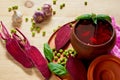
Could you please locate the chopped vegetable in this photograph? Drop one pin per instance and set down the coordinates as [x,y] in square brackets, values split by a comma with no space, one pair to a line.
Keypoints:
[14,48]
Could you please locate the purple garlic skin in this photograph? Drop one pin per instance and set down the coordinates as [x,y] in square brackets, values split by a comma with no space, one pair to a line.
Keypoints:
[47,9]
[45,13]
[38,17]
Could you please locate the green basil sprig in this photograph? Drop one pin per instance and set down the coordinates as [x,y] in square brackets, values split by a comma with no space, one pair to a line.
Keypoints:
[57,69]
[48,52]
[94,17]
[103,16]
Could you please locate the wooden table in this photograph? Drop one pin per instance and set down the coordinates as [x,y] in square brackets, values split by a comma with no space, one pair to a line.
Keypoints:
[12,70]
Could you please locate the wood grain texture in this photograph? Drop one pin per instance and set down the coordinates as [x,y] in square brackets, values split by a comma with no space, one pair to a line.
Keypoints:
[12,70]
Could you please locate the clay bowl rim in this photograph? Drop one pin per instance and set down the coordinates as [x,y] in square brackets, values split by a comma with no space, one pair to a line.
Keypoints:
[91,45]
[98,60]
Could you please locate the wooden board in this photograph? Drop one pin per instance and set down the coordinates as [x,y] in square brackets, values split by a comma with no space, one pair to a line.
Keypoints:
[12,70]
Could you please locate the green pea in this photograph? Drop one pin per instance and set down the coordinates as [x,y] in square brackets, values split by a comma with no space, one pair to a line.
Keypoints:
[43,33]
[56,58]
[58,55]
[61,50]
[54,2]
[33,34]
[26,19]
[63,63]
[13,31]
[9,9]
[85,3]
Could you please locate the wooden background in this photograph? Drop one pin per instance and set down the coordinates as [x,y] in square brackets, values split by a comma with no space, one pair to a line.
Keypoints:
[12,70]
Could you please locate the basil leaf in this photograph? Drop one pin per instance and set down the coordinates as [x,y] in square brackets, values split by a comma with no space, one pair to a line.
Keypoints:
[94,18]
[57,69]
[48,52]
[84,16]
[103,17]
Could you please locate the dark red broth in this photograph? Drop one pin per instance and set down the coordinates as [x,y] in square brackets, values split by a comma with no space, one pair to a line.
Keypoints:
[93,34]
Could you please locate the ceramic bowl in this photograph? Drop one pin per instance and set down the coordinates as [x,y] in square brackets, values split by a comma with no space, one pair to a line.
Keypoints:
[90,51]
[105,67]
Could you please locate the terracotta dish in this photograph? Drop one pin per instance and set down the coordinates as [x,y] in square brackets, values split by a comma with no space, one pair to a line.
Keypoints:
[87,46]
[106,67]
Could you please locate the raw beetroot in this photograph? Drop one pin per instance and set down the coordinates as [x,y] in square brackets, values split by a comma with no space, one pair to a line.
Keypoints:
[76,69]
[36,57]
[14,49]
[62,36]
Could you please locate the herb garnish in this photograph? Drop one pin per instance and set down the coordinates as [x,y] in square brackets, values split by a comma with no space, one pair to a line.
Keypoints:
[94,17]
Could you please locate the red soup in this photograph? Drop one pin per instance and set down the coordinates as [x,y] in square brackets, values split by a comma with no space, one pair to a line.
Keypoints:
[94,34]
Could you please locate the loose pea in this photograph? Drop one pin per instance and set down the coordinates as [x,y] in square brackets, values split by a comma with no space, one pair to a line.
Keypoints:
[58,55]
[53,49]
[33,24]
[26,19]
[38,8]
[61,50]
[55,58]
[9,9]
[33,34]
[54,12]
[70,51]
[13,31]
[54,2]
[85,3]
[61,6]
[43,33]
[38,29]
[63,63]
[31,19]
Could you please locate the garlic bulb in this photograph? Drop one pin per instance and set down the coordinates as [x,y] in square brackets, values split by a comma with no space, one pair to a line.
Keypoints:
[17,19]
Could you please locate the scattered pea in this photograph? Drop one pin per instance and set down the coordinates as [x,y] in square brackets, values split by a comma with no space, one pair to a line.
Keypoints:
[14,7]
[9,9]
[85,3]
[63,63]
[58,55]
[13,31]
[33,34]
[54,2]
[38,8]
[43,33]
[61,50]
[33,24]
[70,51]
[53,49]
[54,12]
[55,58]
[31,19]
[26,19]
[61,6]
[38,29]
